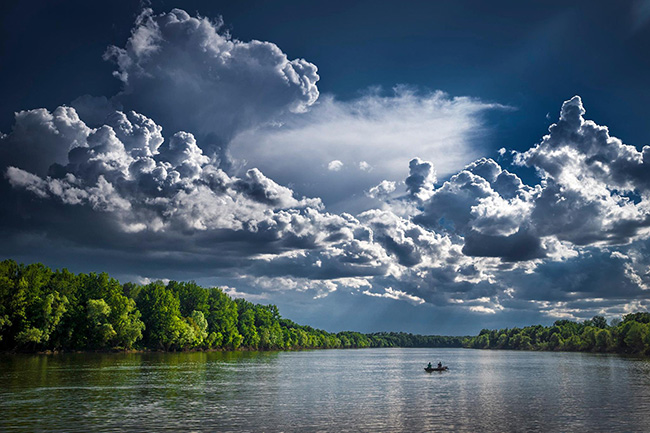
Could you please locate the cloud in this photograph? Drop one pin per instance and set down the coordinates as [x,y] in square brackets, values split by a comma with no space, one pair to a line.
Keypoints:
[482,197]
[383,130]
[482,309]
[149,184]
[251,297]
[422,176]
[191,75]
[595,187]
[472,238]
[383,190]
[335,165]
[517,246]
[40,138]
[593,192]
[391,293]
[593,282]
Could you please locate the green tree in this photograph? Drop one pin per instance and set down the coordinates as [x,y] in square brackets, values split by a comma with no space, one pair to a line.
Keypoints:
[161,316]
[102,332]
[483,341]
[555,342]
[125,320]
[248,330]
[191,296]
[223,319]
[588,338]
[604,340]
[599,322]
[636,336]
[45,315]
[200,327]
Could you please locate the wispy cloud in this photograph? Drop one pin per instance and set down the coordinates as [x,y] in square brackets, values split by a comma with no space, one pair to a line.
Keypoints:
[379,130]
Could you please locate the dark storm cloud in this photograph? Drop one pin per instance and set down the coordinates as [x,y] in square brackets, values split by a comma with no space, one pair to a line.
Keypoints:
[517,246]
[592,274]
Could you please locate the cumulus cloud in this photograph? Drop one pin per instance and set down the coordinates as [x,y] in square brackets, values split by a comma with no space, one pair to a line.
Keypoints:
[41,138]
[593,192]
[251,297]
[518,246]
[590,181]
[483,309]
[382,190]
[422,176]
[149,184]
[335,165]
[191,75]
[481,198]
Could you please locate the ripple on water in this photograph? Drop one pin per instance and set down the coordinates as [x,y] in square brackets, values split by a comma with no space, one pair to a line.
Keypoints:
[329,390]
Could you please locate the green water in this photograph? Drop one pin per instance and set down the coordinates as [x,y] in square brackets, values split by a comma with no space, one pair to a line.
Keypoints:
[326,390]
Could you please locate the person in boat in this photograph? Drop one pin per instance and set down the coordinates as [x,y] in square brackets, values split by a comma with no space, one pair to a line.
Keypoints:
[429,366]
[440,364]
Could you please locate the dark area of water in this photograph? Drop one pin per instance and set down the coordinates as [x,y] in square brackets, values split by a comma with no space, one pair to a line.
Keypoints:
[325,390]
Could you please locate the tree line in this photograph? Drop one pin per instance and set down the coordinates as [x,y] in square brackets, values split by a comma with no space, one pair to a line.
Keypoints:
[629,335]
[41,310]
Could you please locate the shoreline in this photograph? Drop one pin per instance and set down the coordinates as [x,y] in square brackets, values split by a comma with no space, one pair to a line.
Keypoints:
[241,350]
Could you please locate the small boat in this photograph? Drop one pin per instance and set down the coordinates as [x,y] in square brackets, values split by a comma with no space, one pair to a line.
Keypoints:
[430,369]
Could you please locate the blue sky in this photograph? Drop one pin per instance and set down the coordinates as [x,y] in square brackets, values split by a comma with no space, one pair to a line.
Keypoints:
[375,166]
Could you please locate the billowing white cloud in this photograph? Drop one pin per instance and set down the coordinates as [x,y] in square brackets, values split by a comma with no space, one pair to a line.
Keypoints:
[595,188]
[335,165]
[422,176]
[123,168]
[190,75]
[382,190]
[41,138]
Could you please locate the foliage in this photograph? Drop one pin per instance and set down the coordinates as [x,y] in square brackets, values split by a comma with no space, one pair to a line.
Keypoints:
[629,335]
[45,310]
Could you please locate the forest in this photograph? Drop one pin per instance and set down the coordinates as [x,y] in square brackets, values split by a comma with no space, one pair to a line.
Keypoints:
[45,310]
[629,335]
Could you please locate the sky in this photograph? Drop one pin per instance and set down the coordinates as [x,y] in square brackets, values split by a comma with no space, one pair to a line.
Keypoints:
[428,167]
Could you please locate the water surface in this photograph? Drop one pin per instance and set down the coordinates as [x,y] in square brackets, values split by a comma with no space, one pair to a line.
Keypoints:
[325,390]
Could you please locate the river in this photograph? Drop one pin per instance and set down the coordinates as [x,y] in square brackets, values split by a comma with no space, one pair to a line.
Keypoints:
[325,390]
